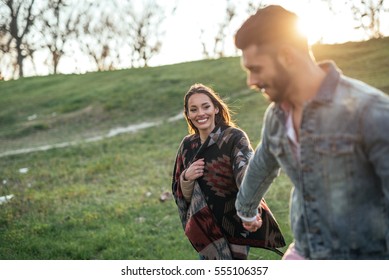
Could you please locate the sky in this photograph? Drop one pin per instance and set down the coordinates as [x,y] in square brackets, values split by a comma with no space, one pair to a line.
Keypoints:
[183,30]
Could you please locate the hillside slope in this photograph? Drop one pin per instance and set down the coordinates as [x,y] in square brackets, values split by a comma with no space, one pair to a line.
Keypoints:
[45,110]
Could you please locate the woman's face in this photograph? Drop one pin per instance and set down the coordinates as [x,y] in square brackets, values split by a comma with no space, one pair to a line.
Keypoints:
[201,112]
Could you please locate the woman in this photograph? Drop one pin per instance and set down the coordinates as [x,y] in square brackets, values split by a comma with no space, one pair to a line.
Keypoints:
[209,168]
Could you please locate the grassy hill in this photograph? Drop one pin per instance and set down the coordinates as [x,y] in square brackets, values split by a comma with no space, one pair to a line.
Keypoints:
[101,200]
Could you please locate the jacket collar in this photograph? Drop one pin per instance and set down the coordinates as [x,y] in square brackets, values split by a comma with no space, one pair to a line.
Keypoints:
[214,135]
[326,91]
[212,139]
[330,82]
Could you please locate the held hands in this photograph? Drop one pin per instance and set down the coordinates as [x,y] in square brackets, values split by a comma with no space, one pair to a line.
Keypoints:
[253,226]
[195,170]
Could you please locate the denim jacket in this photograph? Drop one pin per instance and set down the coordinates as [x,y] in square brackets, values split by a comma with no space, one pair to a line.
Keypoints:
[340,199]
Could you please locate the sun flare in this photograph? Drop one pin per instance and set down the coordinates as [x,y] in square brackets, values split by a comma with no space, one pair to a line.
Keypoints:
[319,24]
[308,26]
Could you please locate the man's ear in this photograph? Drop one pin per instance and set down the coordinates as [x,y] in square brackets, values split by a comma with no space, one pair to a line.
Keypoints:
[286,55]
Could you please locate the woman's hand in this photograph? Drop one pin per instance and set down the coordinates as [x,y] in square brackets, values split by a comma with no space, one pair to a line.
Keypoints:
[195,170]
[253,226]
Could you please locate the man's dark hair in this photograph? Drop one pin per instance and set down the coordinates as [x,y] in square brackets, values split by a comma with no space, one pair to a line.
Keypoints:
[272,24]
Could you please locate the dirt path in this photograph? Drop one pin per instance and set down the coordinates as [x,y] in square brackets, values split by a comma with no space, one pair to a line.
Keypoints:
[112,133]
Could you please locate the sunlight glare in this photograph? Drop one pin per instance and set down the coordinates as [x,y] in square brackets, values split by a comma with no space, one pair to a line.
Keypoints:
[320,25]
[309,25]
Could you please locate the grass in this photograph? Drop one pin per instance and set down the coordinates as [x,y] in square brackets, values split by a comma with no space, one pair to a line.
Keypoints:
[100,200]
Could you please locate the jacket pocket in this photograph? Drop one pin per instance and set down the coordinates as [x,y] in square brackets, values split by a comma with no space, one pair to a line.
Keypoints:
[275,146]
[334,160]
[335,145]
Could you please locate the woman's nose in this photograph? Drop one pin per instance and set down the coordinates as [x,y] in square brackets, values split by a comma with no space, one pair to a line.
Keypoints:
[200,112]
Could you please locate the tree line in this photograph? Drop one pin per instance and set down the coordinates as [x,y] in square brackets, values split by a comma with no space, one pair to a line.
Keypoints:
[115,34]
[109,32]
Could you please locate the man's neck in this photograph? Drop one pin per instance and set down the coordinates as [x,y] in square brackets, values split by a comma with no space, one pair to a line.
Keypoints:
[306,86]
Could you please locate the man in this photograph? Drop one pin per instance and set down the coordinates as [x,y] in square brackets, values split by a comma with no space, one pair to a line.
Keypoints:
[328,133]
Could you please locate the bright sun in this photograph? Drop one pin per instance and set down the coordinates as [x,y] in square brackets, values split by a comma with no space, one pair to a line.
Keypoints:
[319,24]
[308,26]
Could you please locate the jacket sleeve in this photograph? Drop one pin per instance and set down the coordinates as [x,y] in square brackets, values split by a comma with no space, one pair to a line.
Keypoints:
[186,187]
[260,173]
[178,195]
[177,170]
[375,130]
[241,154]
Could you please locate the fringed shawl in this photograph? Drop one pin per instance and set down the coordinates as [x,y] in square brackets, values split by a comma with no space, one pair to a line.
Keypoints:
[210,221]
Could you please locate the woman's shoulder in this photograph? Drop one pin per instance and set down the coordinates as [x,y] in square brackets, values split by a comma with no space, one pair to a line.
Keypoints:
[189,138]
[238,136]
[236,131]
[186,142]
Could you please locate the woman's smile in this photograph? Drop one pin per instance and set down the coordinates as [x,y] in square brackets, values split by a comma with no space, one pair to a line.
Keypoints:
[202,120]
[202,113]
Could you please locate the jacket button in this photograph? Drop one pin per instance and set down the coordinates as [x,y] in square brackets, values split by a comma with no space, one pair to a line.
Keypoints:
[308,198]
[306,168]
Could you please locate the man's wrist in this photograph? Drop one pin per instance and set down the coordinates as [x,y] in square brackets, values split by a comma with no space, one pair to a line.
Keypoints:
[247,219]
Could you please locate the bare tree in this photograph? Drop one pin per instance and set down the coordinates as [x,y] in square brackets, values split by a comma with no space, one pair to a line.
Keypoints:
[58,24]
[102,36]
[254,6]
[17,24]
[145,33]
[367,15]
[218,47]
[106,31]
[3,50]
[132,35]
[219,42]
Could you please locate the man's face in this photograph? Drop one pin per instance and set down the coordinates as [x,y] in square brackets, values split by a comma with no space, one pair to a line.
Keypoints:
[265,72]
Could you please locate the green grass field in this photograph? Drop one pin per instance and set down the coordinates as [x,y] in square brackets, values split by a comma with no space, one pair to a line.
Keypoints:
[101,200]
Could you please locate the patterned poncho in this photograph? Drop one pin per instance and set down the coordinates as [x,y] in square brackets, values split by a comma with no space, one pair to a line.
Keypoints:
[210,221]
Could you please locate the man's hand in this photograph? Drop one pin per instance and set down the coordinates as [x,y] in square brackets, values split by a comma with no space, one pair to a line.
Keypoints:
[253,226]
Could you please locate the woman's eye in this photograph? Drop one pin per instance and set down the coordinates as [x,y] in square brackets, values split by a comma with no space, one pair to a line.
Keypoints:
[192,110]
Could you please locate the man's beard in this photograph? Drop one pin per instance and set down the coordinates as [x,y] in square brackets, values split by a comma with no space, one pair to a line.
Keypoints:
[279,84]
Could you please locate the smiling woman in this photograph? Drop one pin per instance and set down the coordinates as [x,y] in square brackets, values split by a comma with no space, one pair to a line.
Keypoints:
[209,167]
